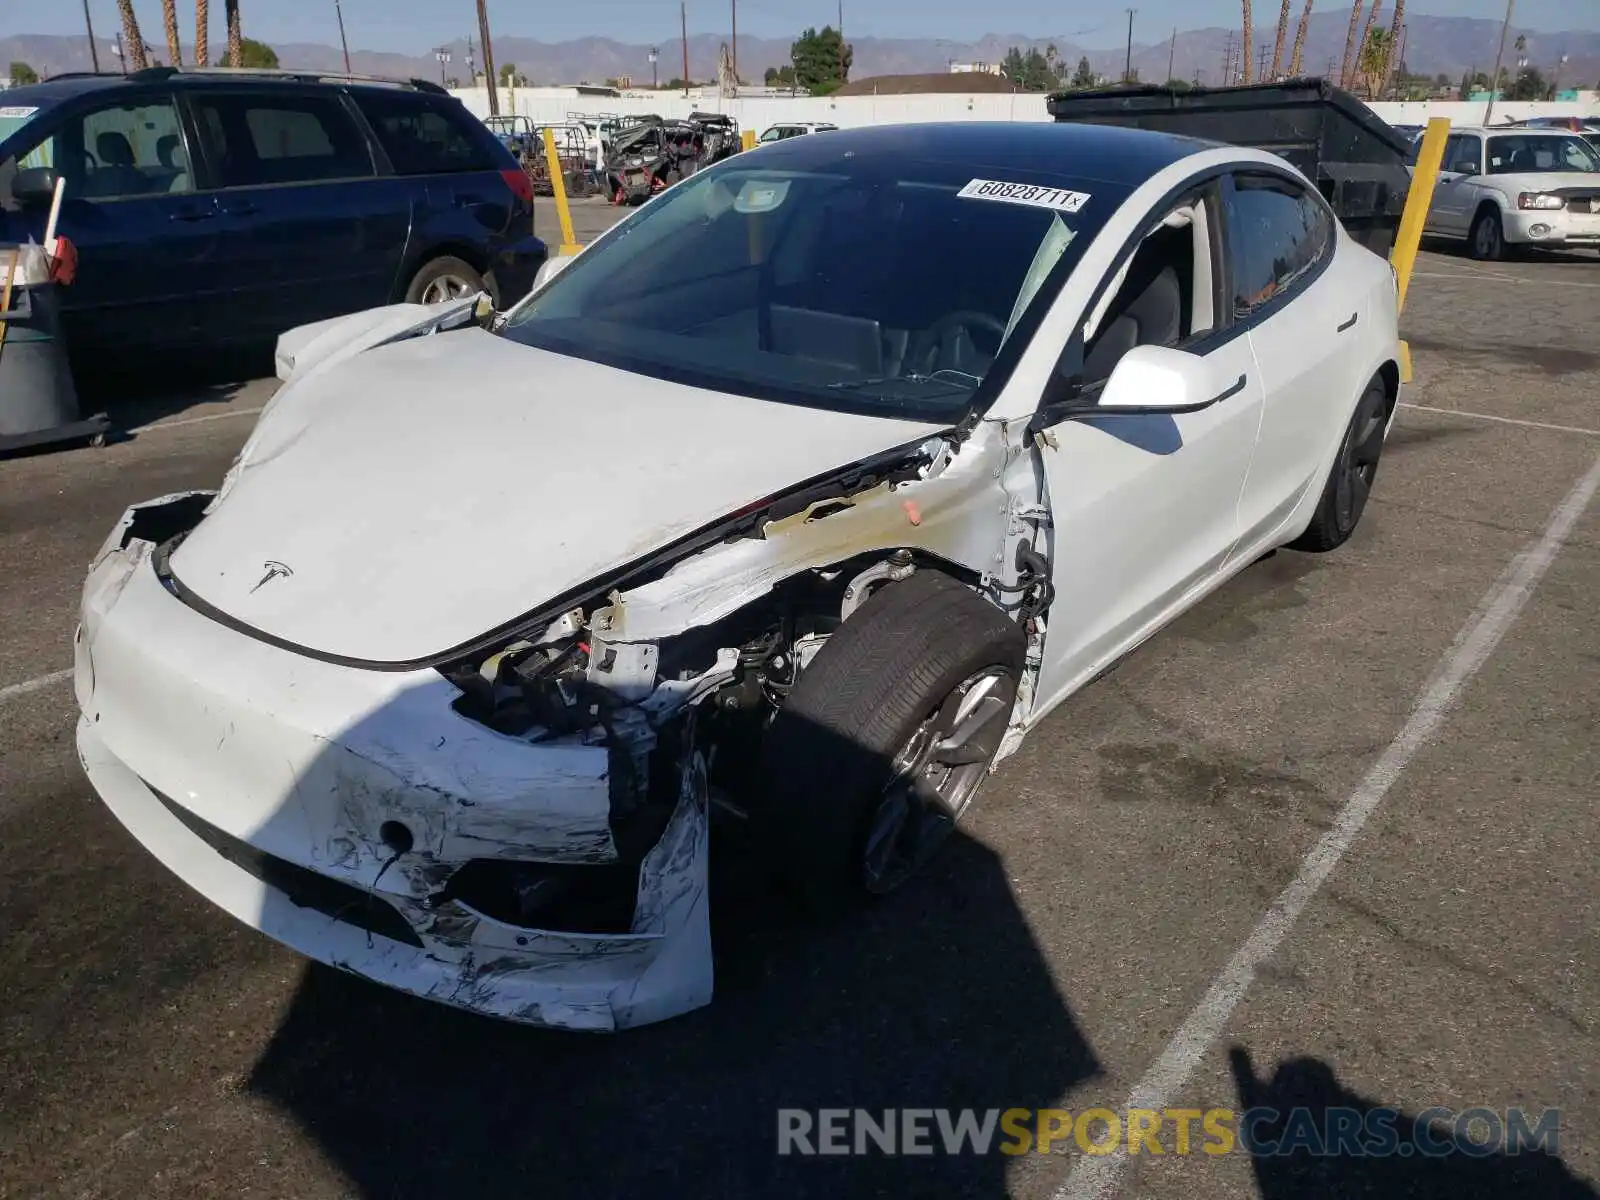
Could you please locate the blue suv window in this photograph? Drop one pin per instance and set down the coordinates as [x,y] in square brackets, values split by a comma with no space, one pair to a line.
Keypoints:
[425,138]
[274,139]
[117,151]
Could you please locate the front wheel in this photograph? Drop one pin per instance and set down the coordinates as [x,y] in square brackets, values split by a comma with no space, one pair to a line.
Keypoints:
[1355,470]
[886,739]
[1487,241]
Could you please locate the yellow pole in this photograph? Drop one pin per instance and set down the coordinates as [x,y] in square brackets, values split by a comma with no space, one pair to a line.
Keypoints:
[748,139]
[1409,237]
[558,188]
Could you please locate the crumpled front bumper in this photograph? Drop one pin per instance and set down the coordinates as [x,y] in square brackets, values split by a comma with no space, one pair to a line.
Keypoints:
[263,779]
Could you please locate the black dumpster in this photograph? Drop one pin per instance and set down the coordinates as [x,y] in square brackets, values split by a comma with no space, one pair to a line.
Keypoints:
[1355,158]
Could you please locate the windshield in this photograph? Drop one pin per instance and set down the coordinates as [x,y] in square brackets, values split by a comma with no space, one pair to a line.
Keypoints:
[14,116]
[1525,153]
[876,283]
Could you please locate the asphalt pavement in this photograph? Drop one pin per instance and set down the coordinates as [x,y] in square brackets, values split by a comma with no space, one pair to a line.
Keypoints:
[1128,915]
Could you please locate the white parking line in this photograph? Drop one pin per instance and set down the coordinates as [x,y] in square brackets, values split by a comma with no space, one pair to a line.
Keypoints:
[1477,416]
[33,685]
[221,416]
[1495,614]
[1502,277]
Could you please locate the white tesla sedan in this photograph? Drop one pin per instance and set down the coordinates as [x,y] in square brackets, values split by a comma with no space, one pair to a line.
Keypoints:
[803,494]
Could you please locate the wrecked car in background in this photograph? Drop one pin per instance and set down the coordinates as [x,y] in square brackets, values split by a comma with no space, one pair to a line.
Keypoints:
[447,695]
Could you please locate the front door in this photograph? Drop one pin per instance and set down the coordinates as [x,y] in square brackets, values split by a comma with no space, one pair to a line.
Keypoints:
[144,239]
[1455,192]
[1144,508]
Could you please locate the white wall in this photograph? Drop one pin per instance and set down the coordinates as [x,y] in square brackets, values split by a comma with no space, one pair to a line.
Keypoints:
[546,105]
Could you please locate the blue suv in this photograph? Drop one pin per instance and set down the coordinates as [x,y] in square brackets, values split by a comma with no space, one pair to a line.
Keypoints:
[215,208]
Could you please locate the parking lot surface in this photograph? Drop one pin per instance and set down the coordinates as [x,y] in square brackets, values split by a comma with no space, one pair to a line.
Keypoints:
[1424,701]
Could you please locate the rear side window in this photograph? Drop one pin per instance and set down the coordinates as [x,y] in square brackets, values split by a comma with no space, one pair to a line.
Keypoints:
[423,137]
[274,139]
[1277,234]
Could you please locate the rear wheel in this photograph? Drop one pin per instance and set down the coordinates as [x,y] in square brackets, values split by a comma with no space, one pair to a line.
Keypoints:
[1355,470]
[886,739]
[1487,241]
[442,279]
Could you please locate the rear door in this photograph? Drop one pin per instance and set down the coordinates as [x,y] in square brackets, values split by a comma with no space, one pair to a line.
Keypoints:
[315,231]
[144,238]
[1303,312]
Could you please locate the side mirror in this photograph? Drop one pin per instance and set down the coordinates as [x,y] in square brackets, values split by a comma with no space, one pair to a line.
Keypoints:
[1154,380]
[553,266]
[1464,166]
[34,186]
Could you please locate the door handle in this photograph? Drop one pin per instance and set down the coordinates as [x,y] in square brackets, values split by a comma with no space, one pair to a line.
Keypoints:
[192,214]
[1238,386]
[1353,318]
[242,210]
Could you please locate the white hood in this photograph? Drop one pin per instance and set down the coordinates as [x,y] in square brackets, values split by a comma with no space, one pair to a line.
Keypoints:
[423,493]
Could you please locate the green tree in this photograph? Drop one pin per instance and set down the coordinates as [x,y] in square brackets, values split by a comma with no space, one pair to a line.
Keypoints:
[1083,77]
[22,74]
[1529,85]
[821,60]
[780,77]
[1032,71]
[257,55]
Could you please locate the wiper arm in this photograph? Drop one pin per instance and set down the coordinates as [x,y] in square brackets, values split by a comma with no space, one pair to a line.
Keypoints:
[966,381]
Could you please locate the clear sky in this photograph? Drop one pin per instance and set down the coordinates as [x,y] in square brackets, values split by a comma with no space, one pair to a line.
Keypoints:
[411,26]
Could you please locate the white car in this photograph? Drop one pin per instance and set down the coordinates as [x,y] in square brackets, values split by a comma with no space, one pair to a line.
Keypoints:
[790,129]
[798,497]
[1515,188]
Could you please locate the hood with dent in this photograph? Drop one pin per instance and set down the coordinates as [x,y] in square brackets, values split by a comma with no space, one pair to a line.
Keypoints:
[413,498]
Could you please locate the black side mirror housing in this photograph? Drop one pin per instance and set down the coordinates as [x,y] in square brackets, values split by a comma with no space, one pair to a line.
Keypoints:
[1464,167]
[34,186]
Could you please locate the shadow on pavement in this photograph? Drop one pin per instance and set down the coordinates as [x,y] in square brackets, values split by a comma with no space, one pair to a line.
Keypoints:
[937,997]
[137,394]
[1485,1173]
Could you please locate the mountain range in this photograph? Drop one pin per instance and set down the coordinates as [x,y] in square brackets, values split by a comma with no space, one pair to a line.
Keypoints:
[1433,45]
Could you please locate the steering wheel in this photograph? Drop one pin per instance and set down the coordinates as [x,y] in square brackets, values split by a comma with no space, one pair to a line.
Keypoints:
[948,345]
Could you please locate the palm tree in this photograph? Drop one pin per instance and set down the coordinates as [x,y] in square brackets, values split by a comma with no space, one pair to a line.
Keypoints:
[1247,46]
[132,43]
[202,33]
[1396,33]
[1277,48]
[1374,59]
[169,15]
[1366,40]
[1346,64]
[235,33]
[1300,39]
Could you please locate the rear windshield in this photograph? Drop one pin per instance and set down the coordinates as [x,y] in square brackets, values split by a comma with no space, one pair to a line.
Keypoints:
[881,283]
[1521,153]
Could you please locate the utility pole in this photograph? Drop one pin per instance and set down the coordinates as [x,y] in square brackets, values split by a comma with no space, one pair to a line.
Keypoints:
[1172,52]
[343,45]
[488,59]
[683,19]
[842,78]
[1227,61]
[735,4]
[1261,62]
[1494,78]
[94,55]
[1127,65]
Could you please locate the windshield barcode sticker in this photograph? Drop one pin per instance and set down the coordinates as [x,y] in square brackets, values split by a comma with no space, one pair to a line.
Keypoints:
[1055,199]
[16,111]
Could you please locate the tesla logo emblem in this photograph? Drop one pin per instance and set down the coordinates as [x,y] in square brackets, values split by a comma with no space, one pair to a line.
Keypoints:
[275,570]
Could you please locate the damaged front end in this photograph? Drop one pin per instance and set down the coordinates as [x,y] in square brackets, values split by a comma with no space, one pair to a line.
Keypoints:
[520,828]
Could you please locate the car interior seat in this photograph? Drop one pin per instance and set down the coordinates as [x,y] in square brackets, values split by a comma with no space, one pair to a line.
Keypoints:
[1152,306]
[116,174]
[170,152]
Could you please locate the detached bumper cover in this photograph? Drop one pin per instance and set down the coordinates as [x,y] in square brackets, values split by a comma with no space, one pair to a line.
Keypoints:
[262,778]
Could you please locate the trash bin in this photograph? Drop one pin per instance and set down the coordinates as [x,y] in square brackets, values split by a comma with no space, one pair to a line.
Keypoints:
[38,402]
[1356,159]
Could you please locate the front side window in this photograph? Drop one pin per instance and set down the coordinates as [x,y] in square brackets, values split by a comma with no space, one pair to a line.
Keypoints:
[423,138]
[117,152]
[884,283]
[1462,154]
[1278,233]
[257,140]
[1525,153]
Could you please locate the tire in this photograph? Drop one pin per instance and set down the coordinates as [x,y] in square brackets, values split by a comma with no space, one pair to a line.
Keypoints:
[1486,241]
[444,278]
[1355,470]
[915,653]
